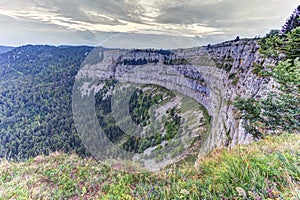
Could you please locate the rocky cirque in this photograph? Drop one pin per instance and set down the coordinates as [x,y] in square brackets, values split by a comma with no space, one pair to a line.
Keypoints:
[214,76]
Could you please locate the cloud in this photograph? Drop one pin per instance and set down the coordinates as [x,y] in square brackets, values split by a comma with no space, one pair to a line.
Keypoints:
[94,21]
[221,14]
[81,21]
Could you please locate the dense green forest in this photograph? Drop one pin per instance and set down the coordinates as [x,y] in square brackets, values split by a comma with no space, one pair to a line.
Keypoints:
[35,100]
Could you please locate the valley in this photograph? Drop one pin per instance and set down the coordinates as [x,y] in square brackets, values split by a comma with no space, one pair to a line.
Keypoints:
[219,121]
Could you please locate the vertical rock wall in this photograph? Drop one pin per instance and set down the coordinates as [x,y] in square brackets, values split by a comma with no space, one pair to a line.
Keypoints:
[214,76]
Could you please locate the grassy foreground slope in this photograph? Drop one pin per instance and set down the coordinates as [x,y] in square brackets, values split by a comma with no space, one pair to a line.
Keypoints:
[268,169]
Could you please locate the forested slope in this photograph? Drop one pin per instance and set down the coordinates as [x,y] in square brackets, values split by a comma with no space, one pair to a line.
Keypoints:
[35,100]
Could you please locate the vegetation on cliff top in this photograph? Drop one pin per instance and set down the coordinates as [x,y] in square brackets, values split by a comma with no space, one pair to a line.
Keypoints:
[280,110]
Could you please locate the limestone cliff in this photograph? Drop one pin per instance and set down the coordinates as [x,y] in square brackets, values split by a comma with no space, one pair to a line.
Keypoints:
[214,76]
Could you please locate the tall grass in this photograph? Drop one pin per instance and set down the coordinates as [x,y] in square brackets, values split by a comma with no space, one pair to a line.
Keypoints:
[268,169]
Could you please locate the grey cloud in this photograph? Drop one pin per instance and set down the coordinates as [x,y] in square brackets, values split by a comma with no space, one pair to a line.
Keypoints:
[132,40]
[233,17]
[118,10]
[229,15]
[195,13]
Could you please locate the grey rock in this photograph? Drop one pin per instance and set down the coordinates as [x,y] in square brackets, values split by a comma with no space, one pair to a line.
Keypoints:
[202,76]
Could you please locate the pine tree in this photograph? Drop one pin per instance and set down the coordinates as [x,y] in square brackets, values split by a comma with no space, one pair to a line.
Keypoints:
[292,22]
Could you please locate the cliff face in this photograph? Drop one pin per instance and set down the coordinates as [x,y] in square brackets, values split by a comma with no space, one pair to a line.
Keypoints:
[214,76]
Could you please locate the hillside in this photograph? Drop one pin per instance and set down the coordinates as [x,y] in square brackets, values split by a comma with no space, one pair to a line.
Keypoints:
[35,93]
[4,49]
[268,169]
[236,92]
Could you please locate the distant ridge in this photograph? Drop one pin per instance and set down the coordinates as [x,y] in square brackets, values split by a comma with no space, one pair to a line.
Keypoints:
[4,49]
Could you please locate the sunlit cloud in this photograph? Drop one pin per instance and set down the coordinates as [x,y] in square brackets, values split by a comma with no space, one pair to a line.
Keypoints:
[147,27]
[87,21]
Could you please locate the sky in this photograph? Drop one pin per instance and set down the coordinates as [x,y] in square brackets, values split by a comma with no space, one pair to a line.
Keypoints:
[138,23]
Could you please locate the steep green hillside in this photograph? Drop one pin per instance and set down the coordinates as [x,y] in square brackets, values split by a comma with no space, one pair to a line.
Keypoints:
[268,169]
[35,100]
